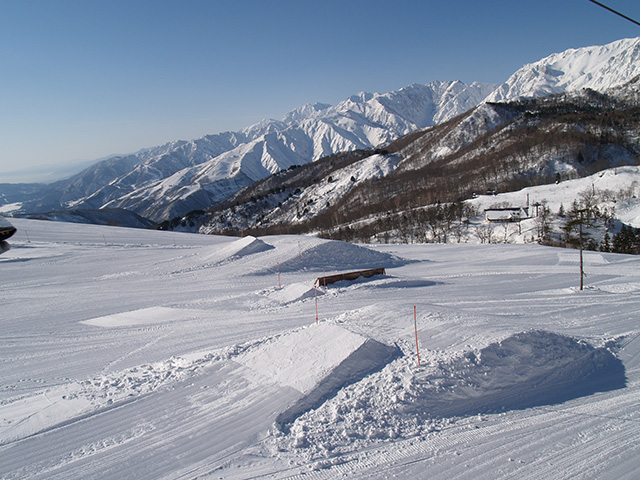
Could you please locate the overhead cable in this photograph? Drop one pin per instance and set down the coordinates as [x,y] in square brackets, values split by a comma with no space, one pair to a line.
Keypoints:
[615,11]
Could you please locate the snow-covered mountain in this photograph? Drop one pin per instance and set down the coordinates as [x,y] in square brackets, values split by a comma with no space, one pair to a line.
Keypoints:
[597,67]
[167,181]
[177,177]
[495,146]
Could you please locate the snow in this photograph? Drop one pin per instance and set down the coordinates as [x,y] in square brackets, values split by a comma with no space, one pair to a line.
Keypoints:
[598,67]
[613,181]
[128,353]
[237,249]
[143,316]
[317,197]
[10,207]
[303,358]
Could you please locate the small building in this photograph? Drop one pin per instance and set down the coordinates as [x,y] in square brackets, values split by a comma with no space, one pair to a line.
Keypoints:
[508,214]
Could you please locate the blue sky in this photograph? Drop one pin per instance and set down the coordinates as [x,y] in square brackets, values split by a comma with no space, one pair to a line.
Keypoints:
[80,80]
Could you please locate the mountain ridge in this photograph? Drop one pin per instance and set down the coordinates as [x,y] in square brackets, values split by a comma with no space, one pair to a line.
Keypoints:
[169,180]
[174,178]
[493,147]
[597,67]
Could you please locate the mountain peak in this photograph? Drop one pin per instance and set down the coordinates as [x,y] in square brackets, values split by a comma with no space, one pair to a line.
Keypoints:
[362,97]
[596,67]
[306,111]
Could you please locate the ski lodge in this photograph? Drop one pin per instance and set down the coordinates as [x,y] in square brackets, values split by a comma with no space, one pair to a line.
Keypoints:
[508,214]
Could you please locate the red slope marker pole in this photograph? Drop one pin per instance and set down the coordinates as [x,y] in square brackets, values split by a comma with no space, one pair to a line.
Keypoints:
[415,323]
[316,292]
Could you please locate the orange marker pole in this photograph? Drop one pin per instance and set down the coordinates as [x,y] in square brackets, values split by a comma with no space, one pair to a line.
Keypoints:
[415,323]
[316,291]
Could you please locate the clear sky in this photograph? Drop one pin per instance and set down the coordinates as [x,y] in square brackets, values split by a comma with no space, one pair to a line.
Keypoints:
[81,80]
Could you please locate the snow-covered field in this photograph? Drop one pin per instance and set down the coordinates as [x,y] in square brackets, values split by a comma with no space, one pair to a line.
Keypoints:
[143,354]
[612,182]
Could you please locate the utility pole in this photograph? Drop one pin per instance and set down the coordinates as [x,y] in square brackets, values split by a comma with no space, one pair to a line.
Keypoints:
[581,261]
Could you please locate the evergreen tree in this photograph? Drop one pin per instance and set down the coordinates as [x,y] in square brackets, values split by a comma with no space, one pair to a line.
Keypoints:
[626,241]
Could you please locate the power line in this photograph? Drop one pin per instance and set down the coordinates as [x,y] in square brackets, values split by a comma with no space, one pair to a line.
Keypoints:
[615,11]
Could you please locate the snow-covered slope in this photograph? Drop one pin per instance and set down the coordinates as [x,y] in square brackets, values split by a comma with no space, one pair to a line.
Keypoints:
[129,353]
[598,68]
[614,184]
[494,146]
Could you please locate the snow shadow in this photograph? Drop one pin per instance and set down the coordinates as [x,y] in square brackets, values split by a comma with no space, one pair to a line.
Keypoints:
[406,284]
[526,370]
[370,357]
[386,282]
[15,260]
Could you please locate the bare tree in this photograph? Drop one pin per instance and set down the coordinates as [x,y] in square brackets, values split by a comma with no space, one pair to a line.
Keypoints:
[505,226]
[543,224]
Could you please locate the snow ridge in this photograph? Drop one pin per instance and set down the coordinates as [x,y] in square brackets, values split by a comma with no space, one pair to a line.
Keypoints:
[597,67]
[166,181]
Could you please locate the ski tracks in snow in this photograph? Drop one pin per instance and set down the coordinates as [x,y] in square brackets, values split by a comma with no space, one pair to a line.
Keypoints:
[200,421]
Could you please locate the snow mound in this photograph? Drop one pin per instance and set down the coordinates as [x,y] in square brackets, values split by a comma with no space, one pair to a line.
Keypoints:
[339,256]
[525,370]
[240,248]
[370,357]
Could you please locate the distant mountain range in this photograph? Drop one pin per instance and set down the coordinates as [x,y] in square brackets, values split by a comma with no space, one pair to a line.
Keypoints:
[168,181]
[495,147]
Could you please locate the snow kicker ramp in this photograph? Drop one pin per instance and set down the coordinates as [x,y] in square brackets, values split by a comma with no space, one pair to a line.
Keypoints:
[317,361]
